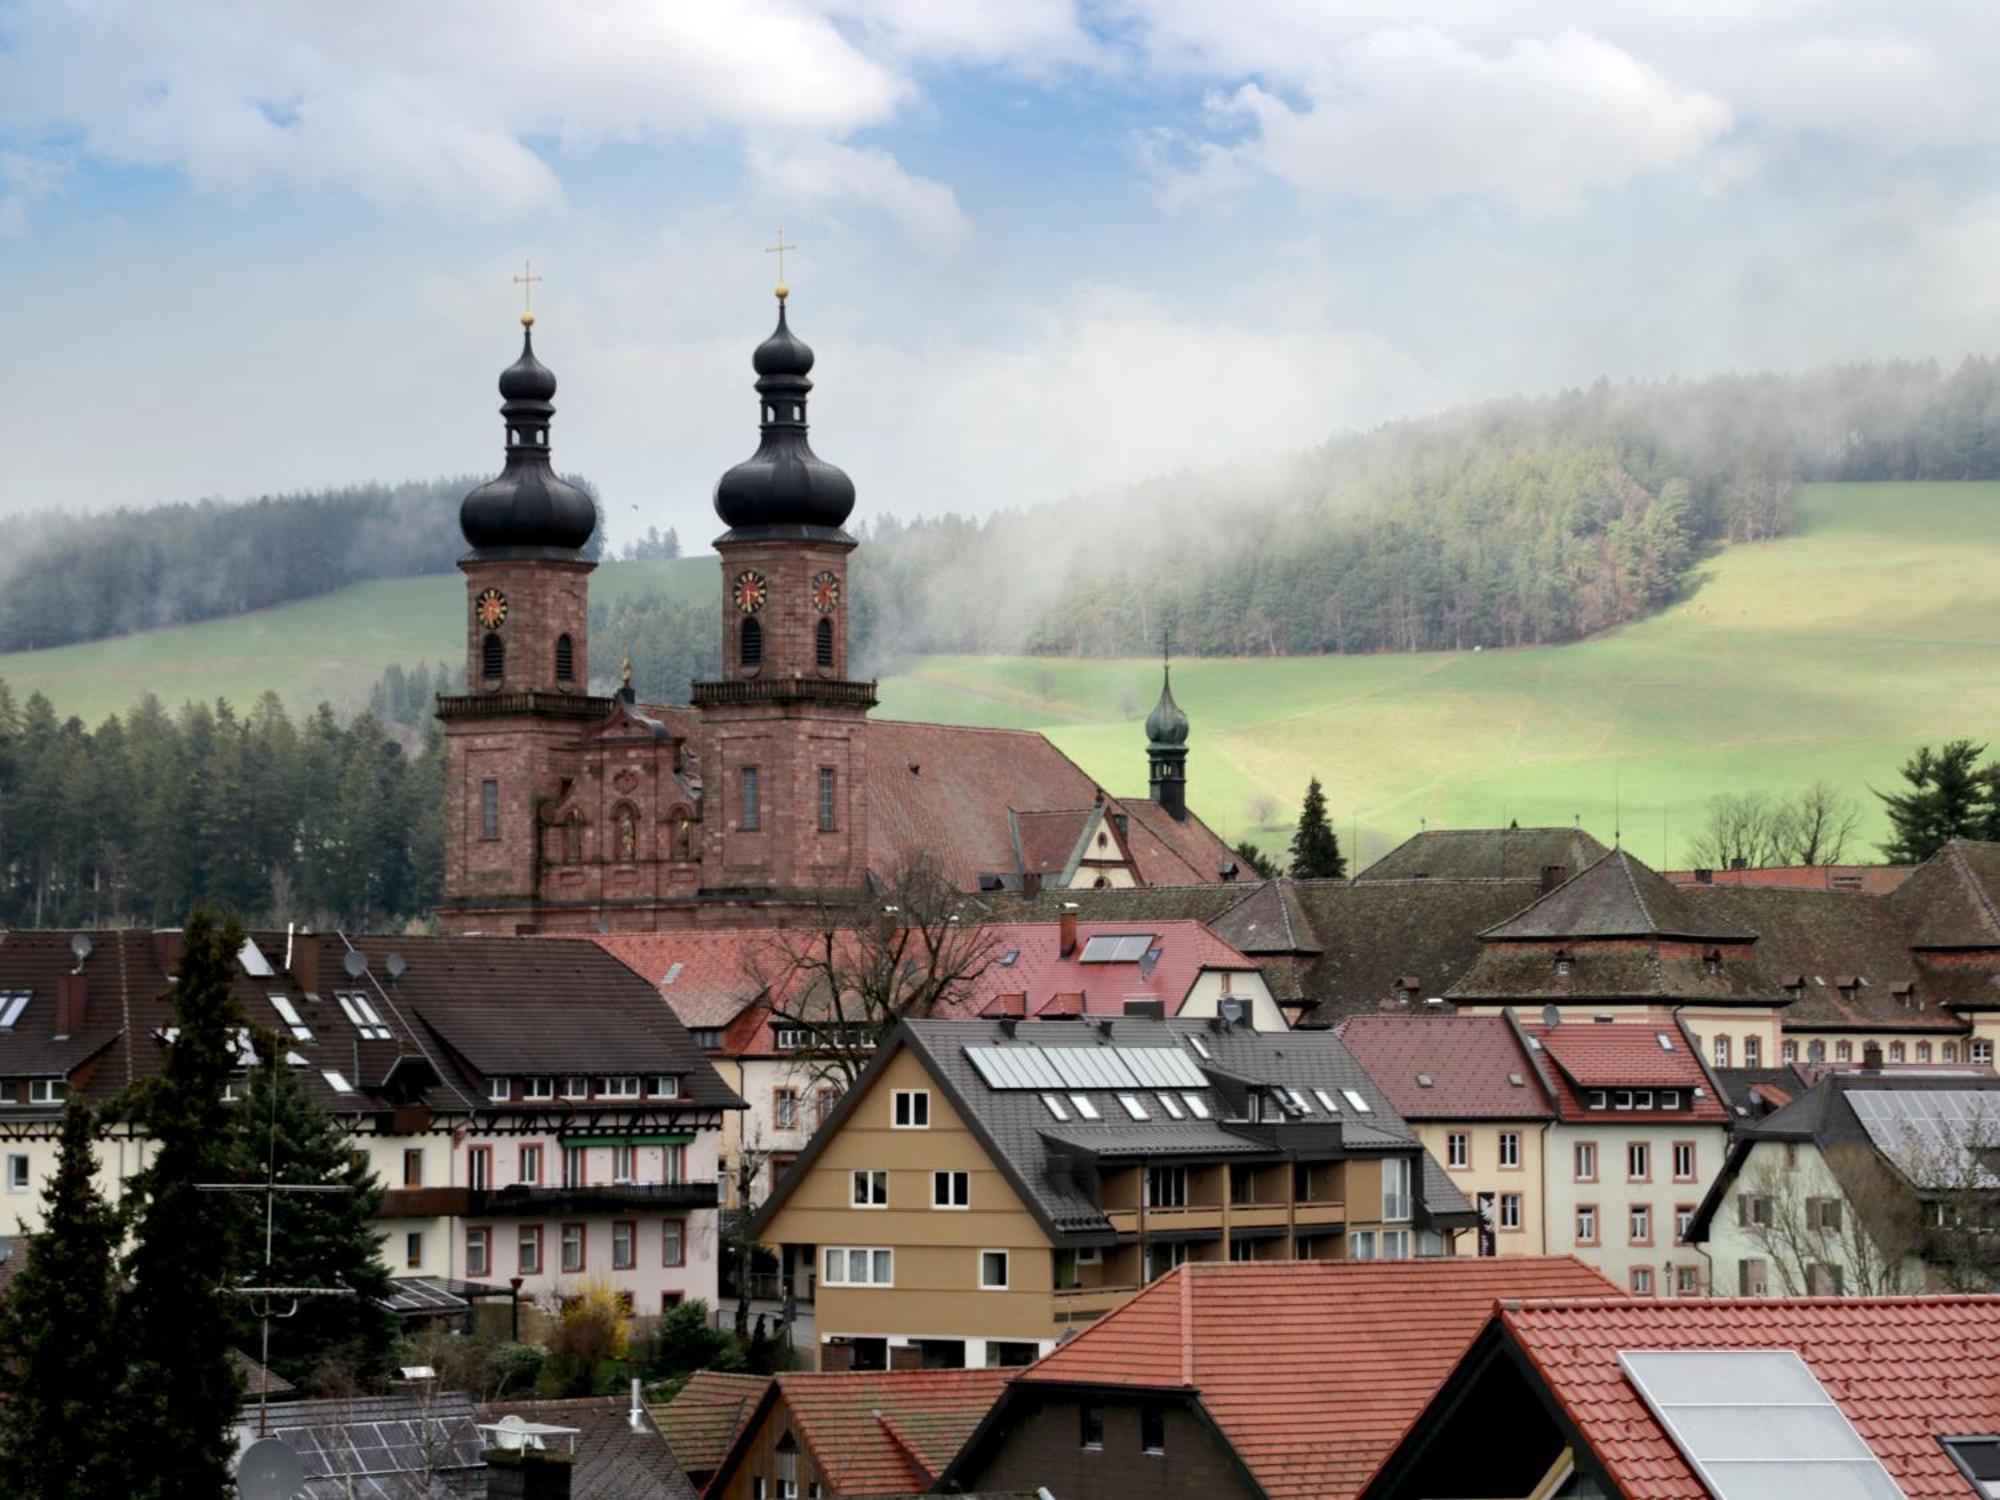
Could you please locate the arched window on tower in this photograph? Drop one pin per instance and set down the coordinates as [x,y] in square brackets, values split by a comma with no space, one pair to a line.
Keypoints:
[751,653]
[565,658]
[823,644]
[573,838]
[492,657]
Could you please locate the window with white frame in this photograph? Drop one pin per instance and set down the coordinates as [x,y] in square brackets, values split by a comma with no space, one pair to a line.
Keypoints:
[47,1090]
[1586,1223]
[1586,1161]
[360,1010]
[1980,1052]
[1166,1187]
[624,1163]
[846,1265]
[624,1086]
[1683,1161]
[624,1243]
[576,1088]
[910,1109]
[478,1252]
[951,1190]
[673,1242]
[1638,1161]
[1510,1210]
[1395,1244]
[785,1108]
[993,1270]
[1753,1052]
[17,1172]
[1458,1150]
[531,1166]
[1721,1050]
[1510,1148]
[499,1090]
[667,1086]
[1395,1188]
[539,1088]
[870,1189]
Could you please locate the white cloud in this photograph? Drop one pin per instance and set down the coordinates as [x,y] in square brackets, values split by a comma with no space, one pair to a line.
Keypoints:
[828,172]
[1416,114]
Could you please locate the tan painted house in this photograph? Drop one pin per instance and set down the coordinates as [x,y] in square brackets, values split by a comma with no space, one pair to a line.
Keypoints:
[988,1186]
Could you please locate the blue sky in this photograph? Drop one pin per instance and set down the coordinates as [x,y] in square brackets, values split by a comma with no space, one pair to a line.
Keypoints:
[1046,248]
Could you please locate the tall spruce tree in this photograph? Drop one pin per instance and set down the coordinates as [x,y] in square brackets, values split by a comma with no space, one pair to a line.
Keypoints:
[317,1239]
[1315,846]
[1950,796]
[60,1358]
[181,1391]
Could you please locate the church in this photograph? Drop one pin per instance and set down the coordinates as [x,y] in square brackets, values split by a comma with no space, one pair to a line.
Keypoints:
[774,796]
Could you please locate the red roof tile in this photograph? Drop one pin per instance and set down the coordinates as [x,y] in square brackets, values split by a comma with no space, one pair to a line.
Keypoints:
[716,972]
[1623,1055]
[1041,972]
[1311,1369]
[1905,1370]
[887,1432]
[1472,1062]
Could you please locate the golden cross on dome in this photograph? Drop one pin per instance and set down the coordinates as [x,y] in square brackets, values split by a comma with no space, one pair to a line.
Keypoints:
[526,282]
[779,250]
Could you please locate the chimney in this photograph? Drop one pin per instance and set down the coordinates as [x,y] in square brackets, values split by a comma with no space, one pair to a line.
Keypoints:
[304,966]
[1009,1027]
[1871,1057]
[1031,884]
[1553,876]
[1067,930]
[166,948]
[1704,877]
[528,1473]
[1739,863]
[637,1415]
[72,999]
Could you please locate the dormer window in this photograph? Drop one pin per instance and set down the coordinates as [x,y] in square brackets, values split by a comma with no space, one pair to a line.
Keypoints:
[47,1090]
[1562,960]
[539,1088]
[576,1088]
[666,1086]
[622,1087]
[499,1090]
[1711,961]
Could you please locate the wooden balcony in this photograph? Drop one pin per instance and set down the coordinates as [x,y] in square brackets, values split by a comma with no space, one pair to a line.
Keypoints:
[1319,1215]
[1258,1215]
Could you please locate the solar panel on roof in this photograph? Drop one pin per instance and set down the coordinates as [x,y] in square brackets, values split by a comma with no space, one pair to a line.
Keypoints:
[1161,1067]
[1116,948]
[1756,1423]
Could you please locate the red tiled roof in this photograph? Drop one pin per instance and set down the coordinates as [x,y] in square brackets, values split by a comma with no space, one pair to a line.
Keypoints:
[703,1419]
[721,970]
[887,1432]
[1623,1055]
[1905,1370]
[1041,973]
[1311,1369]
[1049,840]
[1167,852]
[1472,1062]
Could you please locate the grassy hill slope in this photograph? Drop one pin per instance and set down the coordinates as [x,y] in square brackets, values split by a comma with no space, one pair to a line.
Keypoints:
[1830,653]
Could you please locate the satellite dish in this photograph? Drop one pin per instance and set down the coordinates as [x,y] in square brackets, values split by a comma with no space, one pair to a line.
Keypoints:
[1551,1016]
[356,963]
[268,1470]
[396,965]
[1231,1009]
[80,946]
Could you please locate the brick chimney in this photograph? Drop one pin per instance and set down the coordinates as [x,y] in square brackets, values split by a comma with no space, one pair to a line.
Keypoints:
[305,962]
[72,999]
[1031,884]
[1067,930]
[1871,1057]
[166,948]
[1553,876]
[1704,877]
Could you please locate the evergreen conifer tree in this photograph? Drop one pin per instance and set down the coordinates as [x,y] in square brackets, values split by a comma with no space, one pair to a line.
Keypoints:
[60,1358]
[317,1239]
[181,1389]
[1950,796]
[1255,860]
[1315,846]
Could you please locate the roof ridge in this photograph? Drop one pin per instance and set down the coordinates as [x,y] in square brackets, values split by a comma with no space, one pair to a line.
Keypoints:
[1625,868]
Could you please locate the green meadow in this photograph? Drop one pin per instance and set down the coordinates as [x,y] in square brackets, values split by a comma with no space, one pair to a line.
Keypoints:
[1830,653]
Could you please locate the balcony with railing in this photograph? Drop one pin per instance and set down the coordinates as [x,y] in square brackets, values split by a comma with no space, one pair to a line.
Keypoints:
[540,705]
[744,690]
[548,1202]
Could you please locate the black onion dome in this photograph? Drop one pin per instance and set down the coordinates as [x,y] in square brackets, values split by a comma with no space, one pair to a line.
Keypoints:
[1167,724]
[784,486]
[528,507]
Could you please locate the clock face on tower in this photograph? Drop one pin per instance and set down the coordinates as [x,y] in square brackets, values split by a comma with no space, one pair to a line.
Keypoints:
[490,609]
[750,591]
[826,592]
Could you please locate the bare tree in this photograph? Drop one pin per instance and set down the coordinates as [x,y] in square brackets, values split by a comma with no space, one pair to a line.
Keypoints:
[845,981]
[751,1158]
[1854,1237]
[1263,810]
[1740,828]
[1813,827]
[1959,1189]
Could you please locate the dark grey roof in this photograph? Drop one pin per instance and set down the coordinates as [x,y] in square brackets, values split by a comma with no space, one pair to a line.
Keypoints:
[1485,854]
[1020,1130]
[1621,897]
[378,1447]
[614,1460]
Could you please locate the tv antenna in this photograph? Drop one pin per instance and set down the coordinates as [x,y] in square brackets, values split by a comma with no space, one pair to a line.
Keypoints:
[270,1187]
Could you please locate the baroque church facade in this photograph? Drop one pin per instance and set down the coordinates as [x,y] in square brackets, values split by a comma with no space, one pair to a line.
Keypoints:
[773,795]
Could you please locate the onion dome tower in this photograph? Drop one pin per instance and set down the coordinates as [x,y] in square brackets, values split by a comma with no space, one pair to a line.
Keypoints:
[783,727]
[1166,749]
[527,511]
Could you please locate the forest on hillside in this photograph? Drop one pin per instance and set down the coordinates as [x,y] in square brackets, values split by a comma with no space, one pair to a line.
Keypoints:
[155,812]
[86,577]
[1516,522]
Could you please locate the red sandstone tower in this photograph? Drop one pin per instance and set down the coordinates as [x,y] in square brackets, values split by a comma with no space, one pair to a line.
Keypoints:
[783,730]
[527,590]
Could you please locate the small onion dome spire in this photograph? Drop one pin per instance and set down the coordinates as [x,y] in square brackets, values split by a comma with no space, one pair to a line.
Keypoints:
[784,489]
[1167,724]
[527,511]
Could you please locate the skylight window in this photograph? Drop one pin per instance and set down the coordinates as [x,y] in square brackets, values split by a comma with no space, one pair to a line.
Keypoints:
[1085,1110]
[1011,957]
[1167,1103]
[1196,1105]
[1517,1080]
[1424,1081]
[1054,1105]
[337,1082]
[1133,1107]
[1326,1101]
[289,1014]
[361,1011]
[1196,1043]
[1116,948]
[1666,1042]
[1298,1101]
[673,971]
[254,963]
[11,1006]
[1355,1102]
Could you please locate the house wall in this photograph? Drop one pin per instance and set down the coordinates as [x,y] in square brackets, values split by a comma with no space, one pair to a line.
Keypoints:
[1484,1174]
[1755,1035]
[1613,1195]
[936,1289]
[759,1462]
[1246,985]
[1794,1177]
[1897,1046]
[1042,1449]
[759,1080]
